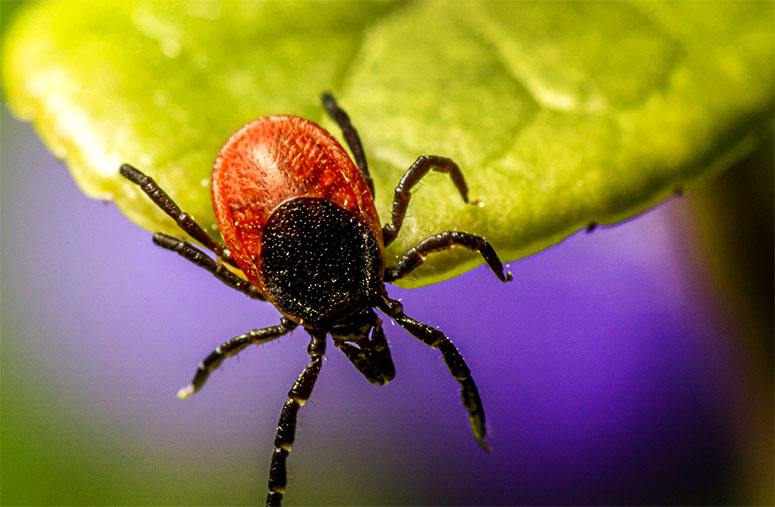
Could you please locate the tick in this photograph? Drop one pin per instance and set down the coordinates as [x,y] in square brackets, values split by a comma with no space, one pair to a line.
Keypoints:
[297,218]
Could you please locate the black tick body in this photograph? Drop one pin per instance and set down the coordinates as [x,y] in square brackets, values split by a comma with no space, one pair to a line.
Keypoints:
[321,264]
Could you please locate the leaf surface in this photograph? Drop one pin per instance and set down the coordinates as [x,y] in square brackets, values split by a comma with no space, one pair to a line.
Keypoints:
[560,114]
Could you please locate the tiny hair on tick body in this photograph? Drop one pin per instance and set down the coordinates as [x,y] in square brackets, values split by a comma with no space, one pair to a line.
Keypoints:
[297,218]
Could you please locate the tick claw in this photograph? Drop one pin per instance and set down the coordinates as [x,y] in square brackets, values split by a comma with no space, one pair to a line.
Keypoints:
[484,445]
[185,392]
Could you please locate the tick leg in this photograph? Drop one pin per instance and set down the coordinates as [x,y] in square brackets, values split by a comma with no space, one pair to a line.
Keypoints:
[444,241]
[371,358]
[193,254]
[455,363]
[286,426]
[230,348]
[350,135]
[414,174]
[167,205]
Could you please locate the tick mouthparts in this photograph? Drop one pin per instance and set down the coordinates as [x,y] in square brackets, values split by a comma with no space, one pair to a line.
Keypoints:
[185,392]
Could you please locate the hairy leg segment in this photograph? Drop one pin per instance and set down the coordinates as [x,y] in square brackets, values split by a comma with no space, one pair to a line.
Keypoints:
[231,348]
[454,361]
[168,206]
[286,426]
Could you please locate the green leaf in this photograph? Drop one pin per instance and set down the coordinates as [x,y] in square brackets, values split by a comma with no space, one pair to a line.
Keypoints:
[560,114]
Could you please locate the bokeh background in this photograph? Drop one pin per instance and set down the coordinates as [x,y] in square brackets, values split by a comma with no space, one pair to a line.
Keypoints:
[632,365]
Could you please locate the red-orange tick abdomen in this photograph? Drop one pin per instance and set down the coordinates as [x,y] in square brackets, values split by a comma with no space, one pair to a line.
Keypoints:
[264,167]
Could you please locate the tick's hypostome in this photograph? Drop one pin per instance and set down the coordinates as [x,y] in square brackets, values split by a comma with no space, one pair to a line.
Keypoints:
[298,219]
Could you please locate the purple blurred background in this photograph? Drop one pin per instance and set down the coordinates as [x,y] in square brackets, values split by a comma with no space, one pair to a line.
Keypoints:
[614,370]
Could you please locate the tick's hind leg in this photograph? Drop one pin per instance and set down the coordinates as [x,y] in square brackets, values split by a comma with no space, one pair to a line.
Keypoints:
[350,135]
[454,361]
[444,241]
[230,348]
[412,176]
[286,426]
[168,206]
